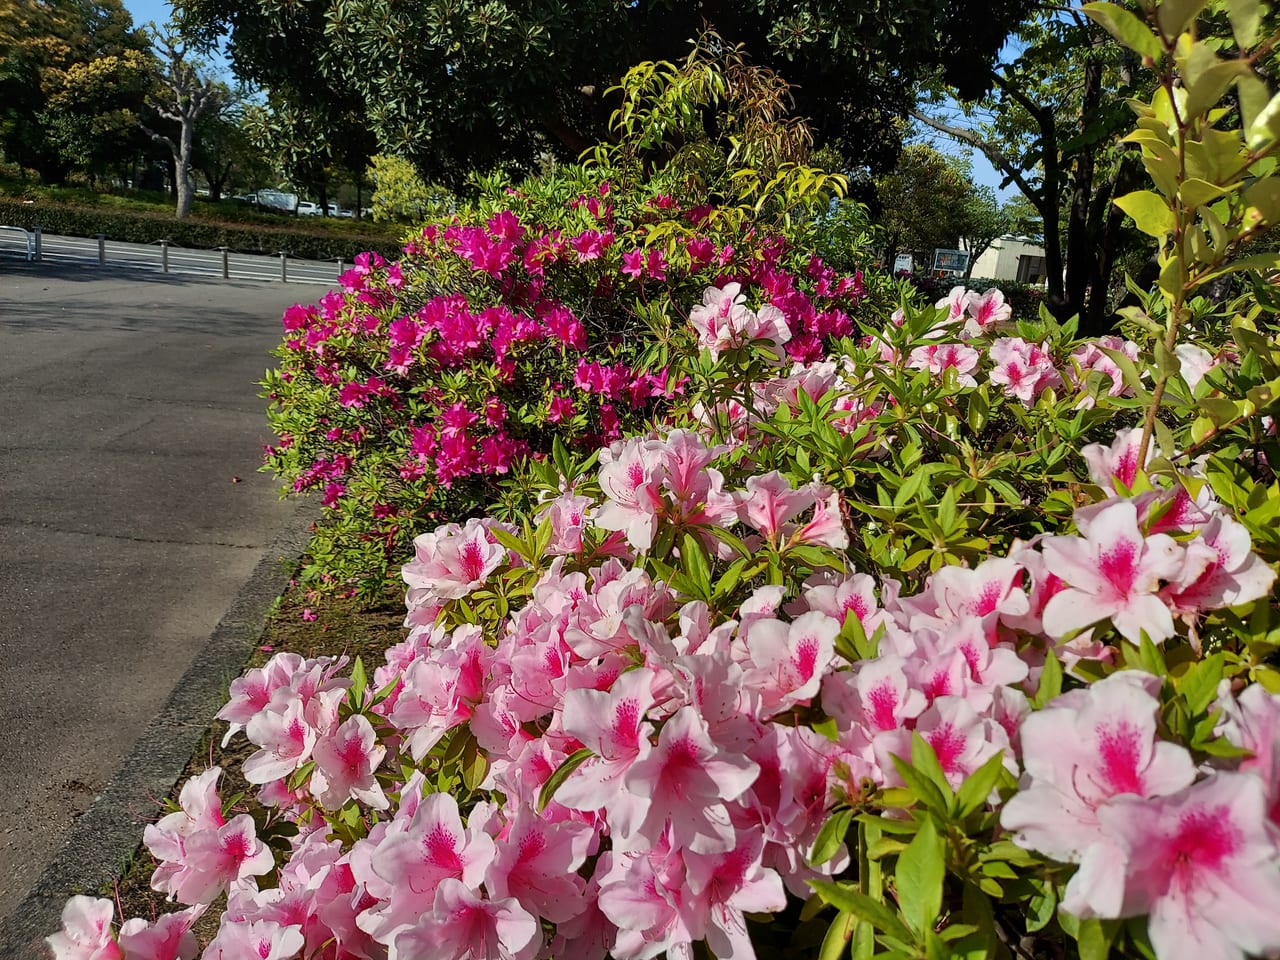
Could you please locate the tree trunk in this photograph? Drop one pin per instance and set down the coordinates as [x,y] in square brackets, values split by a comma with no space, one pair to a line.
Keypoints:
[182,162]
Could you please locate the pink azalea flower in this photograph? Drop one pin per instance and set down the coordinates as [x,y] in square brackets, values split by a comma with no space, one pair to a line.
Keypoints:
[256,940]
[451,562]
[1233,576]
[1022,369]
[1090,356]
[1117,463]
[788,660]
[1195,362]
[86,931]
[416,860]
[537,863]
[769,501]
[216,859]
[1252,721]
[686,779]
[285,736]
[962,740]
[628,477]
[464,926]
[985,311]
[938,357]
[1202,863]
[345,764]
[1083,750]
[875,698]
[723,322]
[612,725]
[646,897]
[728,885]
[956,301]
[169,938]
[1114,573]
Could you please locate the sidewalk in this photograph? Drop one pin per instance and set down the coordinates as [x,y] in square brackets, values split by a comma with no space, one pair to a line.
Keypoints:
[131,517]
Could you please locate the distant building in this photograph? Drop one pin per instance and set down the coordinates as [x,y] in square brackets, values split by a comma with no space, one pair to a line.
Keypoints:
[1012,257]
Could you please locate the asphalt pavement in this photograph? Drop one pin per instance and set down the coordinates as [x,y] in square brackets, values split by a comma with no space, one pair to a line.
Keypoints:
[131,516]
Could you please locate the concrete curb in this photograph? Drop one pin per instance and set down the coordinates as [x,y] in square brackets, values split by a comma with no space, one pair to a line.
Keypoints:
[106,836]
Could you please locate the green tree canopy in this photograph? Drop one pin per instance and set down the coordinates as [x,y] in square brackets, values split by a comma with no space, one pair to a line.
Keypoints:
[70,80]
[924,201]
[458,85]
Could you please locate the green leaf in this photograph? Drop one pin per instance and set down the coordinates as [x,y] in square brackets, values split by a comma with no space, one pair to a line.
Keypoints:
[475,765]
[831,836]
[1126,28]
[1094,938]
[359,682]
[973,793]
[1196,193]
[848,899]
[1266,125]
[918,877]
[1245,15]
[561,774]
[696,565]
[1173,16]
[1149,211]
[1050,681]
[1200,684]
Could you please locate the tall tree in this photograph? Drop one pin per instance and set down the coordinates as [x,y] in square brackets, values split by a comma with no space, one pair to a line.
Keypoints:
[1051,127]
[183,94]
[48,93]
[984,220]
[923,202]
[223,151]
[456,85]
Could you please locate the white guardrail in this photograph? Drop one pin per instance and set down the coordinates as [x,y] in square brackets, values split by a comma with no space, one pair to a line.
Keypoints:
[29,238]
[166,257]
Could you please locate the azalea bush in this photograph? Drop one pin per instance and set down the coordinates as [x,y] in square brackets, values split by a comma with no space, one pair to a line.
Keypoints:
[938,634]
[553,311]
[667,715]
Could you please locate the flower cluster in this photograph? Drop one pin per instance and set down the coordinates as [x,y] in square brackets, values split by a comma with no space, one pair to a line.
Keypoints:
[400,395]
[626,729]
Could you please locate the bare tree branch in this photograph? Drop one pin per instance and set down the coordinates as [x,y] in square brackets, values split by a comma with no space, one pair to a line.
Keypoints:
[988,149]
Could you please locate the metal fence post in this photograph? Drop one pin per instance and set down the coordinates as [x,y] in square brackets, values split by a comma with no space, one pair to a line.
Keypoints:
[164,256]
[284,266]
[342,266]
[102,249]
[39,248]
[226,266]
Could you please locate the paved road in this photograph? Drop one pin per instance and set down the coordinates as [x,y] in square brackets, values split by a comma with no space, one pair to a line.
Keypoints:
[130,514]
[150,258]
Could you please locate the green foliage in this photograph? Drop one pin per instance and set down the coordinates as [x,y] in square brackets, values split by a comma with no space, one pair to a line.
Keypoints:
[924,202]
[462,85]
[69,84]
[399,194]
[1213,170]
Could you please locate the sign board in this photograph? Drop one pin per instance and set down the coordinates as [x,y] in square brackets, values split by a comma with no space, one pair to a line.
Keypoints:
[950,261]
[903,263]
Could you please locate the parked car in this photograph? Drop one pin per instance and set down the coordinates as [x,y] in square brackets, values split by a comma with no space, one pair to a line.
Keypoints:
[308,209]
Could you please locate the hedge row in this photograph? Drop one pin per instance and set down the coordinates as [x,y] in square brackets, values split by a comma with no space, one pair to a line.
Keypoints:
[135,227]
